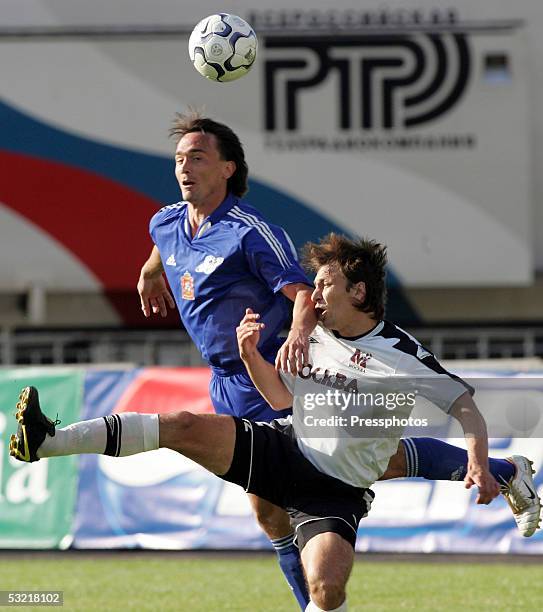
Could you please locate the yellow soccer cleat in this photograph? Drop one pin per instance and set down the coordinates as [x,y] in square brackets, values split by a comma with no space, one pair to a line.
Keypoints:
[33,427]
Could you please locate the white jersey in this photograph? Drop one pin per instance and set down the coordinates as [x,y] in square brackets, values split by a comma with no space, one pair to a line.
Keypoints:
[339,371]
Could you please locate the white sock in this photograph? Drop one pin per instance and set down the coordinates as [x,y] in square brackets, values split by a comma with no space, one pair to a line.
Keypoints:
[118,435]
[311,607]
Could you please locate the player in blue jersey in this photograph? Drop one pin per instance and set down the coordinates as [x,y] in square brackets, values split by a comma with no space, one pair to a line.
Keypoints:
[220,256]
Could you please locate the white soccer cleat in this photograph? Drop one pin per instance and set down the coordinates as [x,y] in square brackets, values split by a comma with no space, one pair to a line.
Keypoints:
[521,495]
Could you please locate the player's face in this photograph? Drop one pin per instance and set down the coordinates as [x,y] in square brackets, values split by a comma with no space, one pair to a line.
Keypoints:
[333,301]
[201,173]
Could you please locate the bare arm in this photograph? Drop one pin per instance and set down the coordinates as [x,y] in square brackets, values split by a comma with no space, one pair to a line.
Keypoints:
[264,376]
[153,266]
[294,352]
[152,288]
[467,414]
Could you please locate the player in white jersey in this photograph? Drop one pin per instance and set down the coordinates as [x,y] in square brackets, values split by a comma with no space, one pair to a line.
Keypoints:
[367,402]
[324,489]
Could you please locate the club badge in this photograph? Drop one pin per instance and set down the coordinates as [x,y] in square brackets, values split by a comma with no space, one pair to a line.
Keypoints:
[187,286]
[359,360]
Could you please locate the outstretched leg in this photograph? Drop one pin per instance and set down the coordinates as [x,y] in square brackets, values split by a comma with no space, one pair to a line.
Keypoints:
[208,439]
[436,460]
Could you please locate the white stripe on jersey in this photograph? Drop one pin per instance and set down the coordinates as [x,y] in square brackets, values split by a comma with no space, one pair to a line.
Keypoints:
[291,245]
[264,230]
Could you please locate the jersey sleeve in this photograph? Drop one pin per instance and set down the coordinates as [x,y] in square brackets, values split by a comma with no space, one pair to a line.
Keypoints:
[163,216]
[271,256]
[433,382]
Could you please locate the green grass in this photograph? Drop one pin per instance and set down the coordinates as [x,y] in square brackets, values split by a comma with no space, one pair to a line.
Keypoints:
[254,584]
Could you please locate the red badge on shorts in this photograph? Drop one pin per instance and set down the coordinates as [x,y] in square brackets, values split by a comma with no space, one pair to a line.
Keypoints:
[187,286]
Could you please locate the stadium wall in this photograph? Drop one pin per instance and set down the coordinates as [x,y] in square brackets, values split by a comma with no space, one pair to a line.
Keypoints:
[160,500]
[413,124]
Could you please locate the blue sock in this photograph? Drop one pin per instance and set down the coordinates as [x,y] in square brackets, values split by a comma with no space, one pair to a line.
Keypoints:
[291,565]
[436,460]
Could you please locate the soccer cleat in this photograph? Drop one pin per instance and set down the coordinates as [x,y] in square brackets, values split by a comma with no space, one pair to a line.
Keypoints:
[32,429]
[520,493]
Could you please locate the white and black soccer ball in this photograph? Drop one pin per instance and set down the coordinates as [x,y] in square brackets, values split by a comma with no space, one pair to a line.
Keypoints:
[223,47]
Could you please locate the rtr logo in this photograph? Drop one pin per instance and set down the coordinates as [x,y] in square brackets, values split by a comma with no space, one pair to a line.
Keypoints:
[381,81]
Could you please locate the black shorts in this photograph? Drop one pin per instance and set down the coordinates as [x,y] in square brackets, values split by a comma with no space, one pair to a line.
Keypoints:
[268,463]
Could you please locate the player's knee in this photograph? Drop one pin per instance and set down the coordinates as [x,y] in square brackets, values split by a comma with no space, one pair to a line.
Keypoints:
[185,420]
[326,584]
[328,592]
[397,467]
[177,429]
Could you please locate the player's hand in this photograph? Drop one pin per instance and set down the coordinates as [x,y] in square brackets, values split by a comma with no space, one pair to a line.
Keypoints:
[154,295]
[294,352]
[248,333]
[483,479]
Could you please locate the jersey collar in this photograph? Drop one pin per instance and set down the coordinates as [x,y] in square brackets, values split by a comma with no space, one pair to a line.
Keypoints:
[224,207]
[372,332]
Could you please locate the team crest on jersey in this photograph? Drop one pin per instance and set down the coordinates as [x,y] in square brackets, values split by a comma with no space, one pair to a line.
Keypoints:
[359,360]
[210,264]
[187,286]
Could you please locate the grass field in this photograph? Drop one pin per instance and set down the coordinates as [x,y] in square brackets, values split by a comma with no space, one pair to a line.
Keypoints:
[207,584]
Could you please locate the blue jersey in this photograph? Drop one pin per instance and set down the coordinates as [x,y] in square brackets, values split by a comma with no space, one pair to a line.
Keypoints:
[236,260]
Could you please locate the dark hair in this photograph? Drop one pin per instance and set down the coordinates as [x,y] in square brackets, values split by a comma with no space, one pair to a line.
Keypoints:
[359,260]
[230,147]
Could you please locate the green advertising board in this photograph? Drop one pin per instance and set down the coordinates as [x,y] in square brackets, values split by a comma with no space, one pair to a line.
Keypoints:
[37,499]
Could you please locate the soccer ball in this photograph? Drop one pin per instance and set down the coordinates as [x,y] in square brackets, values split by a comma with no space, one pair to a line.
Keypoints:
[223,47]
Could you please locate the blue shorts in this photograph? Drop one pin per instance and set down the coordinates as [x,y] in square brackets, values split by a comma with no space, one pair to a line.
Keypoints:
[236,395]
